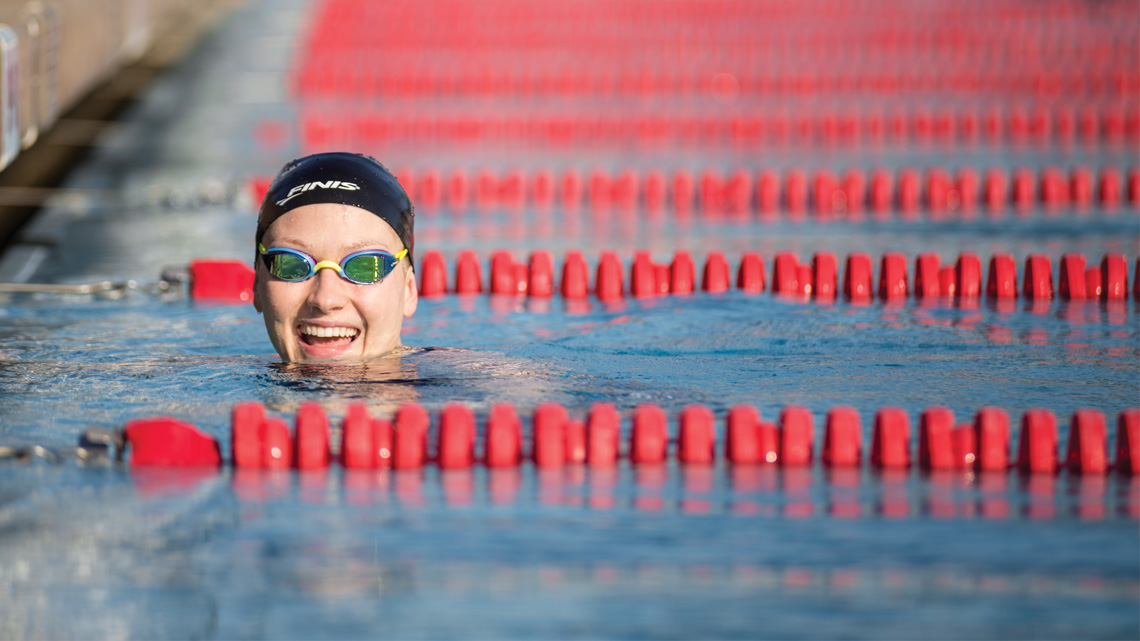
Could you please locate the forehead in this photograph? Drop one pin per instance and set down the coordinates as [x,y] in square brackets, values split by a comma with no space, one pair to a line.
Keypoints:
[331,225]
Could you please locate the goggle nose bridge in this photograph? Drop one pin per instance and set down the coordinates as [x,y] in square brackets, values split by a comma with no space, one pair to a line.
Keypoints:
[329,264]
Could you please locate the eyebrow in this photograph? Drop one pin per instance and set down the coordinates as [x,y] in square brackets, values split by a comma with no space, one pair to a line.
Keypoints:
[302,245]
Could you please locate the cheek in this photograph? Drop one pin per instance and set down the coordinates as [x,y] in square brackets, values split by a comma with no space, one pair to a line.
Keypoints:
[382,308]
[280,303]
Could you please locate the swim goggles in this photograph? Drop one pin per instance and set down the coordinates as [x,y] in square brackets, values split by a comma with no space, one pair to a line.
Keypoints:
[363,267]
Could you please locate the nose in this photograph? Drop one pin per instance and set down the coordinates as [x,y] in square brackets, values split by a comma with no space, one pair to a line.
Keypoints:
[328,291]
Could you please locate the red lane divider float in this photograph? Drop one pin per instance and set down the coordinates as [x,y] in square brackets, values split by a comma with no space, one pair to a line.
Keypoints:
[323,126]
[937,191]
[408,441]
[232,281]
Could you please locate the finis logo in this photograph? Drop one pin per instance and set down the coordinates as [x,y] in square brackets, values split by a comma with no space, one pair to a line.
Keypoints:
[332,184]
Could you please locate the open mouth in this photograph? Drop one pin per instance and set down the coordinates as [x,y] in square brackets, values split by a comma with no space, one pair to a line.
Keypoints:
[327,338]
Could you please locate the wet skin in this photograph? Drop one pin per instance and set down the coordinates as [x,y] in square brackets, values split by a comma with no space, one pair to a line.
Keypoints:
[327,318]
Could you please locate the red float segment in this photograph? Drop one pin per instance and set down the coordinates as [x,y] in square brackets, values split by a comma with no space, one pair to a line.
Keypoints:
[768,193]
[603,428]
[796,192]
[643,276]
[458,191]
[842,438]
[712,192]
[245,434]
[926,267]
[796,435]
[1081,187]
[661,279]
[785,274]
[696,442]
[824,192]
[276,444]
[503,447]
[1054,187]
[1037,451]
[1072,279]
[575,441]
[938,189]
[1038,284]
[357,449]
[1114,277]
[575,276]
[542,189]
[520,272]
[1002,280]
[803,279]
[655,191]
[456,444]
[503,273]
[311,433]
[1088,443]
[433,274]
[625,189]
[1094,284]
[910,191]
[649,437]
[486,190]
[857,278]
[750,277]
[892,276]
[167,441]
[608,284]
[430,190]
[890,444]
[1128,441]
[968,276]
[994,190]
[410,434]
[966,184]
[468,274]
[683,191]
[599,191]
[571,190]
[1024,188]
[682,273]
[824,272]
[1108,188]
[991,427]
[948,281]
[221,280]
[540,274]
[855,190]
[742,443]
[549,425]
[935,440]
[382,442]
[965,442]
[882,191]
[716,278]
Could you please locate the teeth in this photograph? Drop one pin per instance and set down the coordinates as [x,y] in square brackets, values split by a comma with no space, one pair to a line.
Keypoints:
[329,332]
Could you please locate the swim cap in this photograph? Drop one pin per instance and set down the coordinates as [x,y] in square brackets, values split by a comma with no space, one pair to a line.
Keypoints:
[343,178]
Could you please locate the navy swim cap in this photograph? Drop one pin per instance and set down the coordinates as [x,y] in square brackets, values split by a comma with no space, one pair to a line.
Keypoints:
[342,178]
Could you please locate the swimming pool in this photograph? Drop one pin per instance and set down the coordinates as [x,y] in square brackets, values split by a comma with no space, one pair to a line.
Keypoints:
[639,551]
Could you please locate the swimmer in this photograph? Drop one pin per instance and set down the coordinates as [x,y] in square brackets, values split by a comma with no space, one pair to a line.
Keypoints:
[334,278]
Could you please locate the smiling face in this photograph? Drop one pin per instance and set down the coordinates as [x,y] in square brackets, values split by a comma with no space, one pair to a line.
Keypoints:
[327,318]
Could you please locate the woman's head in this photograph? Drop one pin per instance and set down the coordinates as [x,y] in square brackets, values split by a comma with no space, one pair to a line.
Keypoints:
[334,276]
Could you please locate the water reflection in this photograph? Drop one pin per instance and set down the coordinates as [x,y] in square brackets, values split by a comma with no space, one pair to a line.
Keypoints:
[756,490]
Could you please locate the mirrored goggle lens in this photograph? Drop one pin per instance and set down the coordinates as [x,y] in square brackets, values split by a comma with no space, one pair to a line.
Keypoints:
[368,268]
[289,266]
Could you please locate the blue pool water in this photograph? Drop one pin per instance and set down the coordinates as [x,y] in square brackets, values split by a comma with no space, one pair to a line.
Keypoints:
[634,552]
